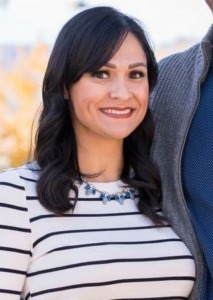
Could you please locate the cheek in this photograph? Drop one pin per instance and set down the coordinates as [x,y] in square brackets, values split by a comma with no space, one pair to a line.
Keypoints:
[82,104]
[143,96]
[143,102]
[85,94]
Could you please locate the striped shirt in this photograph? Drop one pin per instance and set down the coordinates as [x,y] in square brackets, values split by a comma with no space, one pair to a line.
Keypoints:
[98,252]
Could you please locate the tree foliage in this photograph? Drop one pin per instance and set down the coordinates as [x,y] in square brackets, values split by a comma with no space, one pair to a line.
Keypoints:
[20,98]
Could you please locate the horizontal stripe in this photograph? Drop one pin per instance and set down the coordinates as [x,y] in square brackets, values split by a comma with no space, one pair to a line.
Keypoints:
[13,206]
[110,261]
[115,243]
[95,199]
[95,230]
[70,199]
[28,296]
[84,215]
[28,179]
[155,298]
[132,280]
[15,250]
[32,197]
[9,292]
[6,270]
[14,228]
[19,187]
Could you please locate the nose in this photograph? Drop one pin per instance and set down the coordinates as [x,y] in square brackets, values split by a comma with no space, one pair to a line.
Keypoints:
[120,90]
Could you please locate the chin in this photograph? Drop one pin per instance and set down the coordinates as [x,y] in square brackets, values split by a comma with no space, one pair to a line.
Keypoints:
[120,135]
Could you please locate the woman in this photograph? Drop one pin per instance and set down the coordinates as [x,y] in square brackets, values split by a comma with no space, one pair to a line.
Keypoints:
[83,221]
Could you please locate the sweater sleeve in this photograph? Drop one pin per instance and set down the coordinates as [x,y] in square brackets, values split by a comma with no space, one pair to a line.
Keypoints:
[15,245]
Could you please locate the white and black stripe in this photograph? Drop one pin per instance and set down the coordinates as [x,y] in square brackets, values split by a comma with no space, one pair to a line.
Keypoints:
[99,251]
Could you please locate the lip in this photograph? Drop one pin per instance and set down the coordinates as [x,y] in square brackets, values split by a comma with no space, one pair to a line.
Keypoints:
[118,112]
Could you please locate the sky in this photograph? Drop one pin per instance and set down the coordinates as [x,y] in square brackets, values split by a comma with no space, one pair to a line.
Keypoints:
[32,21]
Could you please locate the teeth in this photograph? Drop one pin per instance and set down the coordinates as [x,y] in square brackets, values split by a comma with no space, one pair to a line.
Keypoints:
[117,112]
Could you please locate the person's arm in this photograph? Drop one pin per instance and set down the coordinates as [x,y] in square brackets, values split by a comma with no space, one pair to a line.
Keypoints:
[15,246]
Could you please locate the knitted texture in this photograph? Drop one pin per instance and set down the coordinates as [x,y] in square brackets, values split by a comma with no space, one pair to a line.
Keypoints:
[197,174]
[173,104]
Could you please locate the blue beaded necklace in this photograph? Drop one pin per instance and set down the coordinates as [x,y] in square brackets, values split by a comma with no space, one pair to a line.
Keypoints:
[126,193]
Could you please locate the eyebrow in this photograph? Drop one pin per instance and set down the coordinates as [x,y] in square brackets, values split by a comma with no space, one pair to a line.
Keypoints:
[138,64]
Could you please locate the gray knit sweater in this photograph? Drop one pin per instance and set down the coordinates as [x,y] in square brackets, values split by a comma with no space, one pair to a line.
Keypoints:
[174,102]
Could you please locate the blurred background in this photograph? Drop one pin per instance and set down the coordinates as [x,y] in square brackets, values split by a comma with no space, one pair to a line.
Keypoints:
[28,29]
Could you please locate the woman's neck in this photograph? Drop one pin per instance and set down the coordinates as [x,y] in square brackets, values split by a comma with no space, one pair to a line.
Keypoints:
[102,158]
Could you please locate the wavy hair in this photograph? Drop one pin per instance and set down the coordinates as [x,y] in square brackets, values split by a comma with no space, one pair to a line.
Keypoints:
[86,43]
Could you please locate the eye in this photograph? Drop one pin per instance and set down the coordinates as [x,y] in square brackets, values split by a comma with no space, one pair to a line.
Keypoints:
[101,74]
[136,74]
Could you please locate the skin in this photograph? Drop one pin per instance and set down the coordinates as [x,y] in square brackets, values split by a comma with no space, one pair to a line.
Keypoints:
[210,4]
[107,106]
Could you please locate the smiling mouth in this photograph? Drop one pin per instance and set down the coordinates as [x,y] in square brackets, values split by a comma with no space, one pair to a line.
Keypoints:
[117,112]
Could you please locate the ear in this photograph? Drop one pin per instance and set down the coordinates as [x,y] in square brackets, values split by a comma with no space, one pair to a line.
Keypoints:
[66,94]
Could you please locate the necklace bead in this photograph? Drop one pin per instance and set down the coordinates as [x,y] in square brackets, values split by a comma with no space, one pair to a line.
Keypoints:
[125,193]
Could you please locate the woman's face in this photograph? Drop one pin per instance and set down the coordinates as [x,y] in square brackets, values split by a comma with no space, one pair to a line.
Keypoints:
[111,102]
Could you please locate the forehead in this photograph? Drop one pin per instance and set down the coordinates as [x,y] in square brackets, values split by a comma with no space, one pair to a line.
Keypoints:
[131,48]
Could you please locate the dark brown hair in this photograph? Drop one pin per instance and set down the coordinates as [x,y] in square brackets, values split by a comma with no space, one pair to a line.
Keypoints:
[86,43]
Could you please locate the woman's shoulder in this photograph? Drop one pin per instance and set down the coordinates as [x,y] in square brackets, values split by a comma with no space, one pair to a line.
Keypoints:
[17,183]
[11,176]
[17,186]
